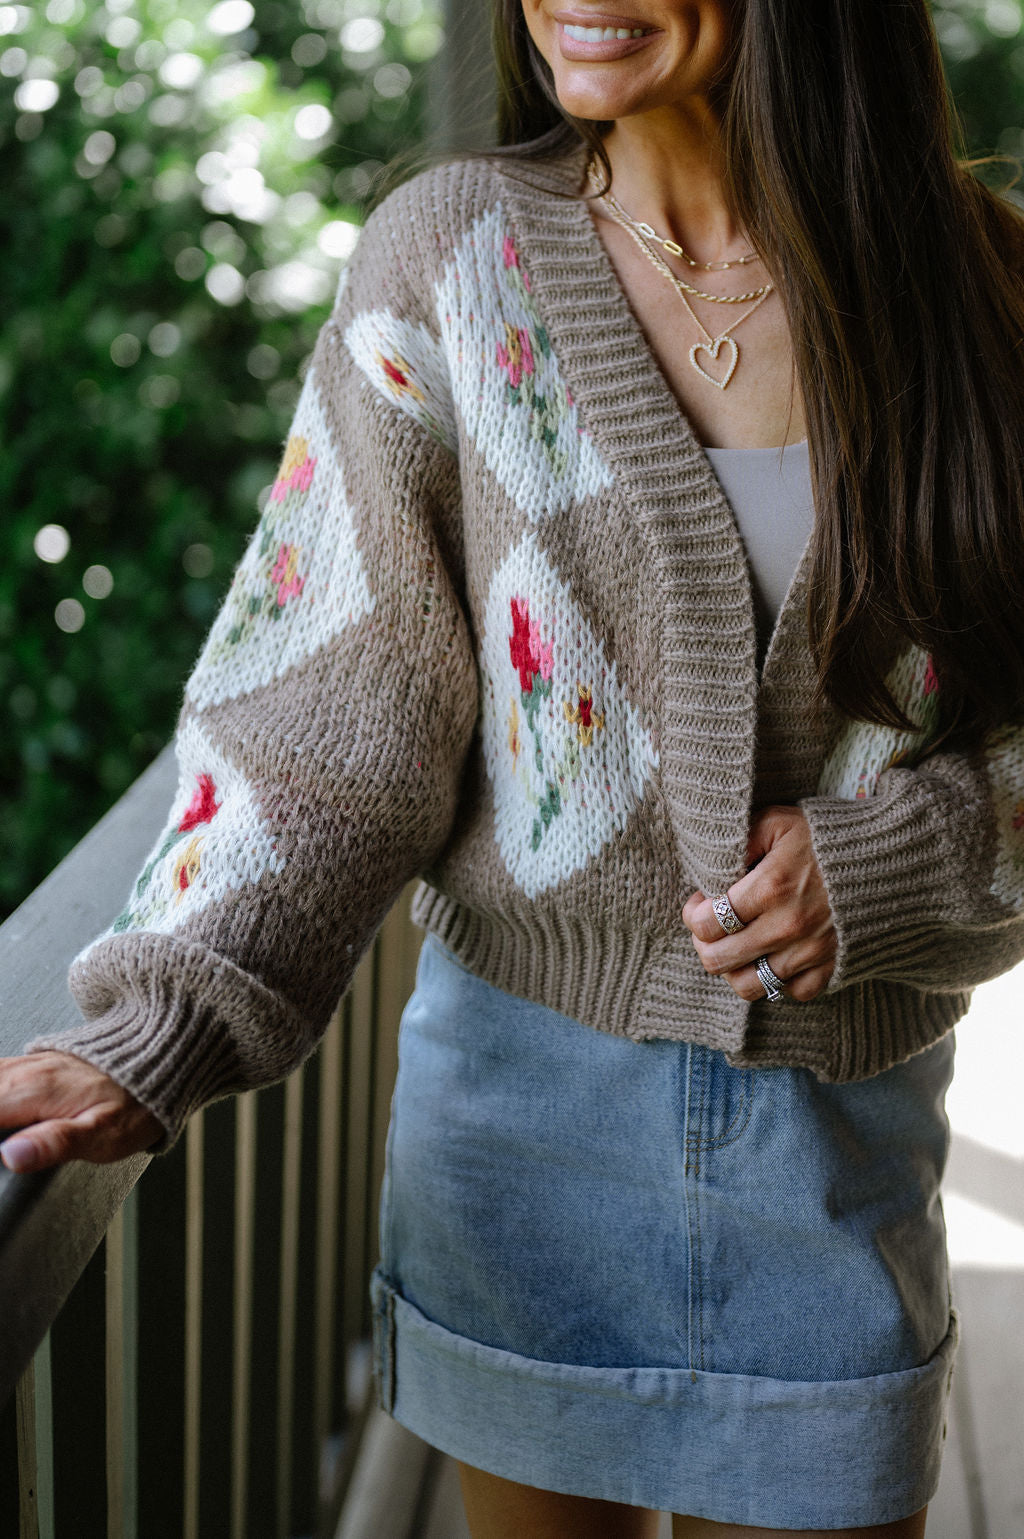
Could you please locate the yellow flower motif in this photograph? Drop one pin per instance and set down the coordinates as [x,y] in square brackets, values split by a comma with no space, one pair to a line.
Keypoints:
[583,716]
[296,452]
[398,374]
[186,868]
[513,730]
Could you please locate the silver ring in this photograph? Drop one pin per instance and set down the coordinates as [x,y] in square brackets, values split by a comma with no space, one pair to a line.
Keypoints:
[726,915]
[772,983]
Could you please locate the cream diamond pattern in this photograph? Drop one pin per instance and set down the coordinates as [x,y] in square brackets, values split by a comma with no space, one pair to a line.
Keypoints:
[865,750]
[567,753]
[505,377]
[214,841]
[301,580]
[407,367]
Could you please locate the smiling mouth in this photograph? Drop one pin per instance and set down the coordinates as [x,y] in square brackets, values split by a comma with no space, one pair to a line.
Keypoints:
[613,38]
[602,34]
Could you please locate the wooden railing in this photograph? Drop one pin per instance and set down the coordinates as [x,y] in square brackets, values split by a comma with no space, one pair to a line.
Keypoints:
[187,1354]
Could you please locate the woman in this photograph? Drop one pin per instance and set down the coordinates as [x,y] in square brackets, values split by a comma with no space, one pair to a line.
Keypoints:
[719,814]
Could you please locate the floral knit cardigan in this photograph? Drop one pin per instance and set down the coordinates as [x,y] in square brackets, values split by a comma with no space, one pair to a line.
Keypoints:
[495,628]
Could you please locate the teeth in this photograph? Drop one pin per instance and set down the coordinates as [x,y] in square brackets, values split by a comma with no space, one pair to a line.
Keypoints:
[600,34]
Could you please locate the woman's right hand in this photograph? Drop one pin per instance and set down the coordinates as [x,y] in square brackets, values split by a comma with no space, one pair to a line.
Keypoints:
[65,1109]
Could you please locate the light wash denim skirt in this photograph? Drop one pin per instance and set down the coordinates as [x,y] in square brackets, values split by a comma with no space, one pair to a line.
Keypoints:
[629,1270]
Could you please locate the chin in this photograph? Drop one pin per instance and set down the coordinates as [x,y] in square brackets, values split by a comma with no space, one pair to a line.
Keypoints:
[586,99]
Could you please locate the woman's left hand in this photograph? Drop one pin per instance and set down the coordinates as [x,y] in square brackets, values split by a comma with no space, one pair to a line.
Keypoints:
[784,908]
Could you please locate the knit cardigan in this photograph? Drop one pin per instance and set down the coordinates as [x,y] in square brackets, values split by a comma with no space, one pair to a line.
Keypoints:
[495,628]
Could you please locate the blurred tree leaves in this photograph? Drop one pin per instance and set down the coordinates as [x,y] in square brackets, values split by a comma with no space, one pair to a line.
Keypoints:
[181,186]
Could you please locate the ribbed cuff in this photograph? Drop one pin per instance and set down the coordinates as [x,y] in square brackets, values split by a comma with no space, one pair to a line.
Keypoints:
[888,878]
[176,1025]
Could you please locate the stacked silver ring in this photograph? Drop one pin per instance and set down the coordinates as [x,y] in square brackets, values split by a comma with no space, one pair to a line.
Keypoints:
[726,915]
[772,983]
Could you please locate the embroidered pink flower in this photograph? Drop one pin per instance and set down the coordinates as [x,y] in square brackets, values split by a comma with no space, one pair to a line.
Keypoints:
[543,653]
[511,259]
[202,807]
[296,472]
[931,682]
[285,574]
[529,655]
[516,356]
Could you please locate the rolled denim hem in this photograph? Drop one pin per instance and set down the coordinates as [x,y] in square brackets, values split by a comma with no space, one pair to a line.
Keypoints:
[732,1448]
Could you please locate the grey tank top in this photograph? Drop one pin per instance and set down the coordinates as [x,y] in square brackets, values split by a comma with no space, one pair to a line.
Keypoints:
[769,491]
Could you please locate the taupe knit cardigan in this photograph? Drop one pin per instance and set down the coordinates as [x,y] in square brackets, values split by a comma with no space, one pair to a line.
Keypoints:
[495,627]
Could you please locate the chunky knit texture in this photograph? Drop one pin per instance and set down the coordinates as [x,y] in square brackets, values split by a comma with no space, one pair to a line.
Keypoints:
[495,628]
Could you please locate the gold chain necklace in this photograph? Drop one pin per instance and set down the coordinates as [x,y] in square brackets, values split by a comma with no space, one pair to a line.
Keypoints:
[711,345]
[670,245]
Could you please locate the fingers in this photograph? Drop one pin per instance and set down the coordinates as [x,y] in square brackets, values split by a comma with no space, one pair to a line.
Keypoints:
[795,940]
[66,1109]
[783,907]
[801,986]
[99,1135]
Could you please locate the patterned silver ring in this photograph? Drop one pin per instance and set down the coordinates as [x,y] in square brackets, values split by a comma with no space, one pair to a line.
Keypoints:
[726,915]
[772,984]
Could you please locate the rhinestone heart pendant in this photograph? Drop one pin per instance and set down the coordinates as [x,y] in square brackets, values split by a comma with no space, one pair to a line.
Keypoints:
[713,349]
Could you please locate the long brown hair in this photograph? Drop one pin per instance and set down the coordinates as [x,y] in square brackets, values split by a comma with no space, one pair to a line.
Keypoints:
[902,278]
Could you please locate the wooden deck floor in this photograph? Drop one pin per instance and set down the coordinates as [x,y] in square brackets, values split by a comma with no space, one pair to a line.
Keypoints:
[405,1490]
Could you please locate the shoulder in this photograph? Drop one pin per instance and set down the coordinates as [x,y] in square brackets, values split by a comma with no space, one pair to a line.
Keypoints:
[408,236]
[411,237]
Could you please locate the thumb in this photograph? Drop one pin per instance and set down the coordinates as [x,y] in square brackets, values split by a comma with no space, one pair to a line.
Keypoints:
[39,1146]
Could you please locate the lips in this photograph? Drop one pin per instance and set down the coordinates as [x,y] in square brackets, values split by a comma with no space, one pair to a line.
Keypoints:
[598,19]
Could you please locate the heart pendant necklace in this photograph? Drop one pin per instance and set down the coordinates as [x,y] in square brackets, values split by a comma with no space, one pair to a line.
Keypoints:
[710,345]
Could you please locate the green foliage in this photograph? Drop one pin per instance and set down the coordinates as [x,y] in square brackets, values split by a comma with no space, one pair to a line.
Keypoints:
[181,184]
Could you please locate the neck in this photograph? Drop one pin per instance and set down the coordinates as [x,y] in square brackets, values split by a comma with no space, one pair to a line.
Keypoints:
[668,169]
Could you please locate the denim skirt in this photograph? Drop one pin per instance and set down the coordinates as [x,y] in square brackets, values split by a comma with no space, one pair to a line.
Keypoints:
[629,1270]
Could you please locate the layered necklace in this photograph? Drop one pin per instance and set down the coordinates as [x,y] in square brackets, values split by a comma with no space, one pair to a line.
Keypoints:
[644,235]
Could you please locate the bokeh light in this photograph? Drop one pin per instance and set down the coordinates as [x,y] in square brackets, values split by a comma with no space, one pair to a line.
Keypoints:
[263,361]
[230,16]
[164,339]
[392,80]
[190,264]
[179,33]
[362,34]
[123,31]
[309,49]
[99,147]
[13,62]
[98,582]
[338,238]
[313,122]
[180,71]
[226,284]
[52,542]
[125,349]
[159,391]
[1003,17]
[69,615]
[36,95]
[14,18]
[197,559]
